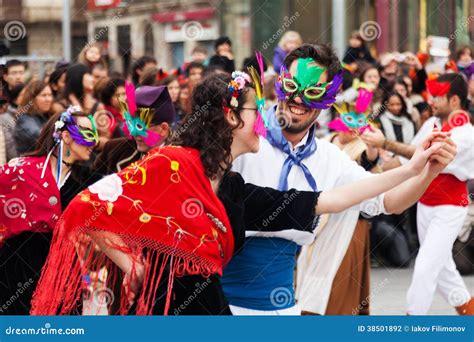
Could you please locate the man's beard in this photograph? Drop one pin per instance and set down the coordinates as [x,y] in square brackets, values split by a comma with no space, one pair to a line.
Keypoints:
[286,122]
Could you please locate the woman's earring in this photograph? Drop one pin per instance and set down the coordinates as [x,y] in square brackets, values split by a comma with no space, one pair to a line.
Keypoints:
[68,152]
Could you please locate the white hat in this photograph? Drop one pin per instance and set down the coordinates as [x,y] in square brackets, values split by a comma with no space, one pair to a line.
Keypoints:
[439,46]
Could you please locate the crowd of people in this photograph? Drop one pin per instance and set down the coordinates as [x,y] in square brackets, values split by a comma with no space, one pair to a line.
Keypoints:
[271,190]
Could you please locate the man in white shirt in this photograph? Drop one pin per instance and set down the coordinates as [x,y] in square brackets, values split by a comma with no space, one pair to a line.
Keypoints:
[442,209]
[259,279]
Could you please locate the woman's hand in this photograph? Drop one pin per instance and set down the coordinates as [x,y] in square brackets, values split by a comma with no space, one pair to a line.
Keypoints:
[431,147]
[132,281]
[373,137]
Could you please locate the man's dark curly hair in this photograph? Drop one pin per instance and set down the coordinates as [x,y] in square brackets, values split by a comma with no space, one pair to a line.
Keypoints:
[321,53]
[206,127]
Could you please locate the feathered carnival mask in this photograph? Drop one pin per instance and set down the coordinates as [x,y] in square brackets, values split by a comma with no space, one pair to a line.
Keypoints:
[305,84]
[137,121]
[81,135]
[237,85]
[354,115]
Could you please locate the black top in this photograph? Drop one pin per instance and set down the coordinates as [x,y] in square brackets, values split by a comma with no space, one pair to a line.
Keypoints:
[247,206]
[116,155]
[223,62]
[27,130]
[80,178]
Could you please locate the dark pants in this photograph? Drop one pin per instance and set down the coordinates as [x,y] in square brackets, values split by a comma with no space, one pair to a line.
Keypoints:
[21,259]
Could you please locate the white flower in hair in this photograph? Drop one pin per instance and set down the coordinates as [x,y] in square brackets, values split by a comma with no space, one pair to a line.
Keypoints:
[58,125]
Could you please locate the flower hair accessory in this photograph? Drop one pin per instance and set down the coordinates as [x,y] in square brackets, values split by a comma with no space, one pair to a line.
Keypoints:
[81,135]
[236,85]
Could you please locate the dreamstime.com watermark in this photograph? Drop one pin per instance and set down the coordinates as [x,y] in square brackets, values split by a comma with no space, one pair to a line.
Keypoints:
[461,27]
[365,302]
[288,199]
[286,24]
[19,291]
[46,330]
[200,287]
[190,120]
[103,30]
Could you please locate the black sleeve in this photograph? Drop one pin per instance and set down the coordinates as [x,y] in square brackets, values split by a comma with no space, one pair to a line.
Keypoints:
[268,209]
[27,131]
[366,163]
[419,83]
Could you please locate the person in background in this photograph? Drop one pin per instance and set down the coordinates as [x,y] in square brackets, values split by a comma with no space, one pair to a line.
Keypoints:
[91,55]
[172,83]
[388,71]
[288,42]
[99,72]
[464,62]
[57,82]
[149,77]
[78,91]
[401,88]
[394,120]
[3,147]
[184,98]
[35,108]
[8,118]
[414,96]
[13,75]
[199,54]
[357,51]
[224,56]
[108,91]
[194,73]
[121,152]
[140,66]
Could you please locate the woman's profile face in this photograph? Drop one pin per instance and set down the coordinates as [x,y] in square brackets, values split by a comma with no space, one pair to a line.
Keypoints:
[80,152]
[245,134]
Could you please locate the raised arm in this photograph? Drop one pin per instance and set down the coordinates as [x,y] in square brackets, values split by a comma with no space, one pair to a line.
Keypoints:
[376,138]
[344,197]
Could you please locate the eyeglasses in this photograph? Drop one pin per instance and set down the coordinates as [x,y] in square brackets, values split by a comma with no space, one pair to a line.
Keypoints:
[245,108]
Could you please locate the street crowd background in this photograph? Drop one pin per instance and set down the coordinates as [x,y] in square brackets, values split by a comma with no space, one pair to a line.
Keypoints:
[186,42]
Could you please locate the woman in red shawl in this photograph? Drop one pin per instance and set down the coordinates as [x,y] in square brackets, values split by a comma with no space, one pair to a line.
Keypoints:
[173,220]
[34,190]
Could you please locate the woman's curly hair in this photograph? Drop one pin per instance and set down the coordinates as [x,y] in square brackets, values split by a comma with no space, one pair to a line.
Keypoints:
[206,127]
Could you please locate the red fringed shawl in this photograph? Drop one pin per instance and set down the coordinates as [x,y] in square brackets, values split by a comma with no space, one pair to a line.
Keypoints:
[160,208]
[28,202]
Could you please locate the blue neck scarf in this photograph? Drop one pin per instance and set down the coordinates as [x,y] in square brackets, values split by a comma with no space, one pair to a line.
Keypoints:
[276,139]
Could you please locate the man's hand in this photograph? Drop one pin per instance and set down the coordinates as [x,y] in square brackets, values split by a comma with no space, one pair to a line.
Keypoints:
[440,159]
[437,150]
[373,137]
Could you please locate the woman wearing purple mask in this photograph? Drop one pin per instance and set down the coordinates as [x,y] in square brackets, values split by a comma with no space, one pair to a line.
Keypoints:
[35,189]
